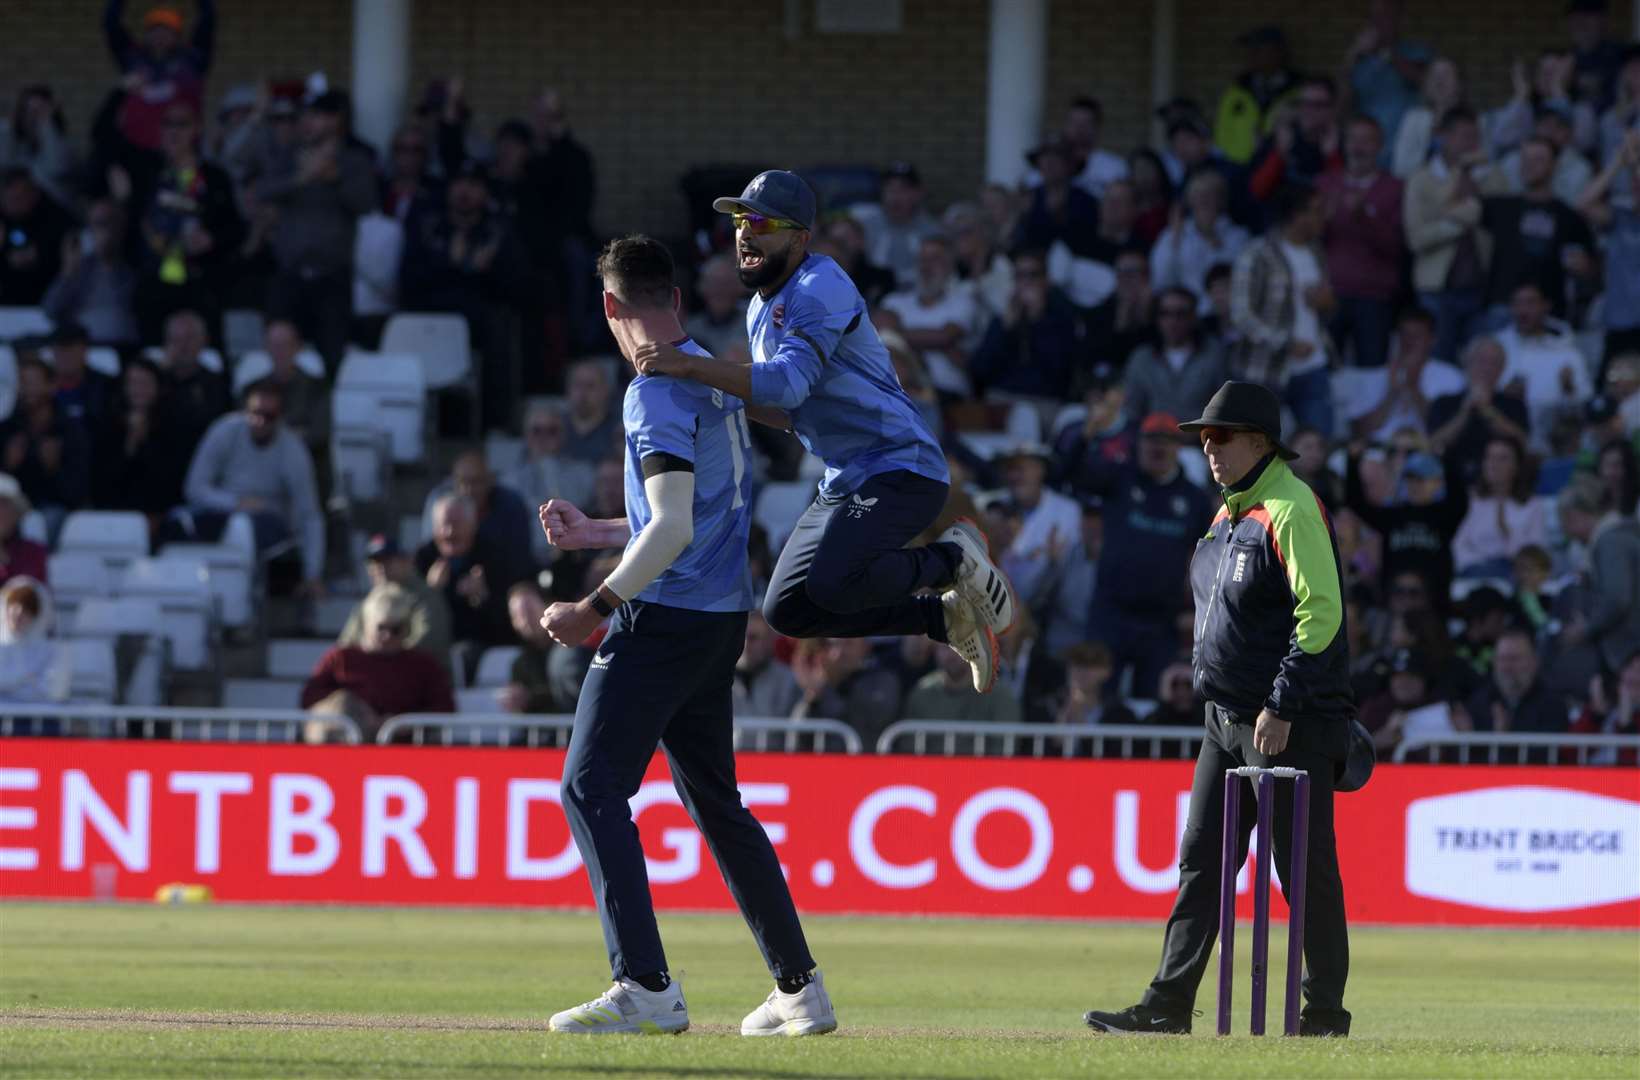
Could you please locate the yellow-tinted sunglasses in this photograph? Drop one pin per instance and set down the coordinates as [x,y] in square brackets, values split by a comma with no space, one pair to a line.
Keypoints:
[758,225]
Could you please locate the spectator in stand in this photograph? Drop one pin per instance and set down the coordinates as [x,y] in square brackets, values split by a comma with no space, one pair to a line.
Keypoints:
[1546,85]
[139,453]
[719,326]
[545,472]
[1311,466]
[36,139]
[939,314]
[847,240]
[250,463]
[1386,400]
[1596,58]
[1504,517]
[410,188]
[1418,522]
[428,626]
[1118,221]
[1571,172]
[1279,303]
[1085,697]
[1624,114]
[1415,142]
[1618,222]
[1069,591]
[1461,423]
[895,226]
[1123,322]
[1050,522]
[1514,698]
[1199,235]
[1093,168]
[472,578]
[1364,244]
[34,670]
[1384,70]
[197,395]
[31,243]
[1450,250]
[380,677]
[320,186]
[1181,369]
[84,396]
[1623,388]
[466,258]
[48,453]
[1216,322]
[1176,702]
[505,523]
[981,264]
[1035,348]
[841,680]
[1542,363]
[1105,437]
[1247,107]
[20,557]
[1058,211]
[567,192]
[307,401]
[1152,195]
[159,71]
[95,286]
[530,687]
[1609,617]
[594,433]
[765,685]
[1536,236]
[1153,517]
[947,693]
[1609,713]
[1304,143]
[1409,689]
[190,230]
[1619,471]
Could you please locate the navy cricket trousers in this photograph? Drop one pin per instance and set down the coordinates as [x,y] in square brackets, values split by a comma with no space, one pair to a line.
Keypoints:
[846,572]
[665,675]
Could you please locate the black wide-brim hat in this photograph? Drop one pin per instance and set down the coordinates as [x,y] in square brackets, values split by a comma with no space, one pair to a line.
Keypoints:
[1244,406]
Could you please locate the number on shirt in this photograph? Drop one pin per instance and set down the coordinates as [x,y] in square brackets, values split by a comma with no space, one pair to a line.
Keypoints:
[737,436]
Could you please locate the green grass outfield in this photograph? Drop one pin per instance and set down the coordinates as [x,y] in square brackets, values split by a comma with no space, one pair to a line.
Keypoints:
[136,990]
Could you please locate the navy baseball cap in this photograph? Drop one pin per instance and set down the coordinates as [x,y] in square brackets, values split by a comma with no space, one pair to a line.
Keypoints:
[775,193]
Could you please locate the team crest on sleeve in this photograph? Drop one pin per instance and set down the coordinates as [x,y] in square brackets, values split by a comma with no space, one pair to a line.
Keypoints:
[717,399]
[779,316]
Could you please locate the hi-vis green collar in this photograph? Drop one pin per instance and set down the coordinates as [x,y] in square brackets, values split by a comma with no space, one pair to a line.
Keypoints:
[1251,489]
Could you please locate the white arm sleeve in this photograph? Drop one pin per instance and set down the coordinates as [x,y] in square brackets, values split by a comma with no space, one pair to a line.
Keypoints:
[672,498]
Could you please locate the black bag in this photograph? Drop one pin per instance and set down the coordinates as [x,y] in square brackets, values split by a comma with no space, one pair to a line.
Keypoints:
[1355,770]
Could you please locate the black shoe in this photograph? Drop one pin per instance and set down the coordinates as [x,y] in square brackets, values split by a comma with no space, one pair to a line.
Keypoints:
[1138,1020]
[1328,1026]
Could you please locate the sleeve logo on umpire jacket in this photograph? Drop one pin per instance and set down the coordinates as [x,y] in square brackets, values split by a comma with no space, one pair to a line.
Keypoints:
[1241,566]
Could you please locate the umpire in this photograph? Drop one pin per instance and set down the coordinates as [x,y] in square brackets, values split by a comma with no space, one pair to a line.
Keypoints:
[1272,662]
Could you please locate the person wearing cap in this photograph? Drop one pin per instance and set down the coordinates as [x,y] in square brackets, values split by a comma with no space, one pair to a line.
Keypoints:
[83,395]
[1248,106]
[895,225]
[1051,522]
[1272,662]
[1153,516]
[429,626]
[1058,210]
[19,556]
[820,369]
[159,70]
[1179,370]
[321,184]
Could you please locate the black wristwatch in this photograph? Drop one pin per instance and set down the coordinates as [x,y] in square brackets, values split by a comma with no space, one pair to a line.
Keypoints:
[599,604]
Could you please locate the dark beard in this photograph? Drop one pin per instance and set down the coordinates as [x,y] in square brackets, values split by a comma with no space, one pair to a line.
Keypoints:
[766,274]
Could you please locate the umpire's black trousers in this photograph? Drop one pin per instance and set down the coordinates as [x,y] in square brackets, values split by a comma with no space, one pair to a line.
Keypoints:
[1193,926]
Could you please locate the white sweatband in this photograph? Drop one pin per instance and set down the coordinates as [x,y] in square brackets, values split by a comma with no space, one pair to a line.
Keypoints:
[672,503]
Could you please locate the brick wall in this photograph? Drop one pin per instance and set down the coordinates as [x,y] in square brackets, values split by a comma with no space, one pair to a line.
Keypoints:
[655,86]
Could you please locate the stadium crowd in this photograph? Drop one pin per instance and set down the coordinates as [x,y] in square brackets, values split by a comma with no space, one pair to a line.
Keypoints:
[1444,291]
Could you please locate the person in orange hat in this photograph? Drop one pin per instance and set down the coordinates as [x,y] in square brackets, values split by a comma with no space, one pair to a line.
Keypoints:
[160,69]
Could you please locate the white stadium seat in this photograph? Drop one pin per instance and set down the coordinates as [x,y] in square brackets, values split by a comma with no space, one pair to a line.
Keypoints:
[383,392]
[242,330]
[232,578]
[117,536]
[295,658]
[77,576]
[181,585]
[130,616]
[262,694]
[495,666]
[21,322]
[93,678]
[361,457]
[33,527]
[439,342]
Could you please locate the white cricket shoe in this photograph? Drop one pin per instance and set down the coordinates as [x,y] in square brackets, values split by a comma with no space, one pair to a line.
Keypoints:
[972,640]
[807,1012]
[979,581]
[627,1008]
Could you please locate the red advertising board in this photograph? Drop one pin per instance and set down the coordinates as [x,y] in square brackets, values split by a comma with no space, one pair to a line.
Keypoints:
[890,835]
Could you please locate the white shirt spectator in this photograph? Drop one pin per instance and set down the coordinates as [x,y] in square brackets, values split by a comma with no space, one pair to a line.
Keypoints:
[1551,370]
[1496,529]
[377,247]
[1367,388]
[1053,526]
[1183,256]
[955,306]
[1306,323]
